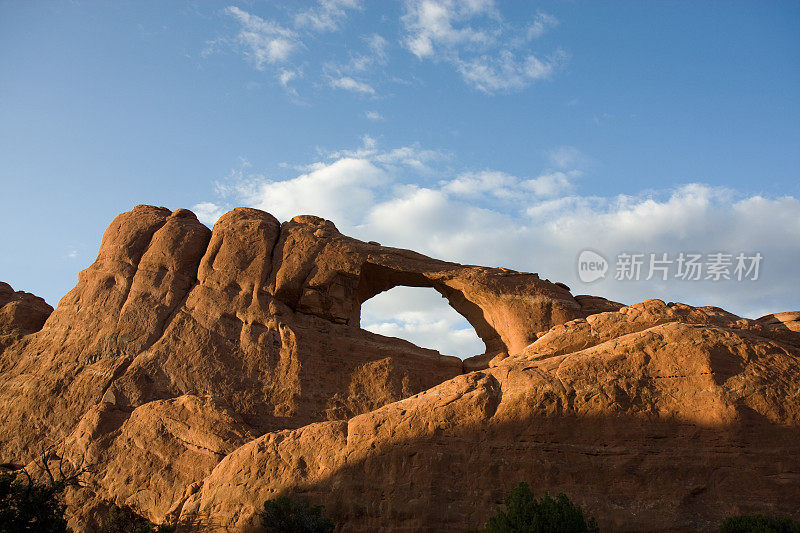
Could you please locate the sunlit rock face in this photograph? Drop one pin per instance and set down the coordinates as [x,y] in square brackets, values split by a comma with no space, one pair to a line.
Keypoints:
[202,372]
[21,313]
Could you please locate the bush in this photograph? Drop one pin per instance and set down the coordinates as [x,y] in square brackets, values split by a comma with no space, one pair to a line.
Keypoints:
[284,515]
[524,514]
[125,520]
[758,523]
[29,506]
[37,505]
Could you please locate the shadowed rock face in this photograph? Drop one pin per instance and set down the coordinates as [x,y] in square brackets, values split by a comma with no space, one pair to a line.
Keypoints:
[203,372]
[671,419]
[256,319]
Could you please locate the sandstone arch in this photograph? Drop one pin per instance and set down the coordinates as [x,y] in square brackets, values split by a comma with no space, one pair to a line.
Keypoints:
[324,273]
[375,279]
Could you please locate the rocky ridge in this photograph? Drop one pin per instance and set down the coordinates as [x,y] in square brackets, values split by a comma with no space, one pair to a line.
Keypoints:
[202,372]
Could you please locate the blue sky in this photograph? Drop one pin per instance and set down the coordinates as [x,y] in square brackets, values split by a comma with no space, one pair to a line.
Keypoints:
[502,133]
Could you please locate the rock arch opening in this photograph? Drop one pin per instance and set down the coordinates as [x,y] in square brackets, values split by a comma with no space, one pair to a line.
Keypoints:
[377,279]
[420,315]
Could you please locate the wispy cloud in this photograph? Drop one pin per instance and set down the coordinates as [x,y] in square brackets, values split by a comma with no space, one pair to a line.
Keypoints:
[374,116]
[286,76]
[350,75]
[567,157]
[264,42]
[541,25]
[327,15]
[489,53]
[375,54]
[349,84]
[505,72]
[441,26]
[377,47]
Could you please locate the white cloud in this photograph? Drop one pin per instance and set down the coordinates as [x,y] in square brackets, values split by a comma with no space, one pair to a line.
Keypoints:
[360,65]
[413,207]
[266,43]
[338,191]
[263,41]
[373,115]
[286,76]
[208,212]
[411,197]
[413,156]
[349,84]
[504,72]
[327,15]
[492,182]
[368,149]
[377,47]
[432,25]
[541,24]
[423,317]
[566,157]
[475,39]
[491,54]
[552,183]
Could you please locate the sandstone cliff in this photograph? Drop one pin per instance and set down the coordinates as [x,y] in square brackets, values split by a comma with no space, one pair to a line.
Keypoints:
[203,372]
[669,420]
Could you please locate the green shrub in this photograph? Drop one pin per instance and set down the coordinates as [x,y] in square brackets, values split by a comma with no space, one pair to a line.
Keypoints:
[284,515]
[123,519]
[29,506]
[758,523]
[524,514]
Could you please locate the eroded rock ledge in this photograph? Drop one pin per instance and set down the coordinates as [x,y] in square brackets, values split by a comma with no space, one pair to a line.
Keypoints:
[203,372]
[21,313]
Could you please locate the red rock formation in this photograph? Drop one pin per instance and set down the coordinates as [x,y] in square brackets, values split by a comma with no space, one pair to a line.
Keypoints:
[202,372]
[21,313]
[782,321]
[675,419]
[326,274]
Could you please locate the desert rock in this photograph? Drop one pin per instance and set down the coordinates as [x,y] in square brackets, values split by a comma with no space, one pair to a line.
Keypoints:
[670,427]
[21,313]
[202,372]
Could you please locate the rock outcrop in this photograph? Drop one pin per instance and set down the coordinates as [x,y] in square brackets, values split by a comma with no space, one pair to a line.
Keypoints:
[21,313]
[782,321]
[202,372]
[670,420]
